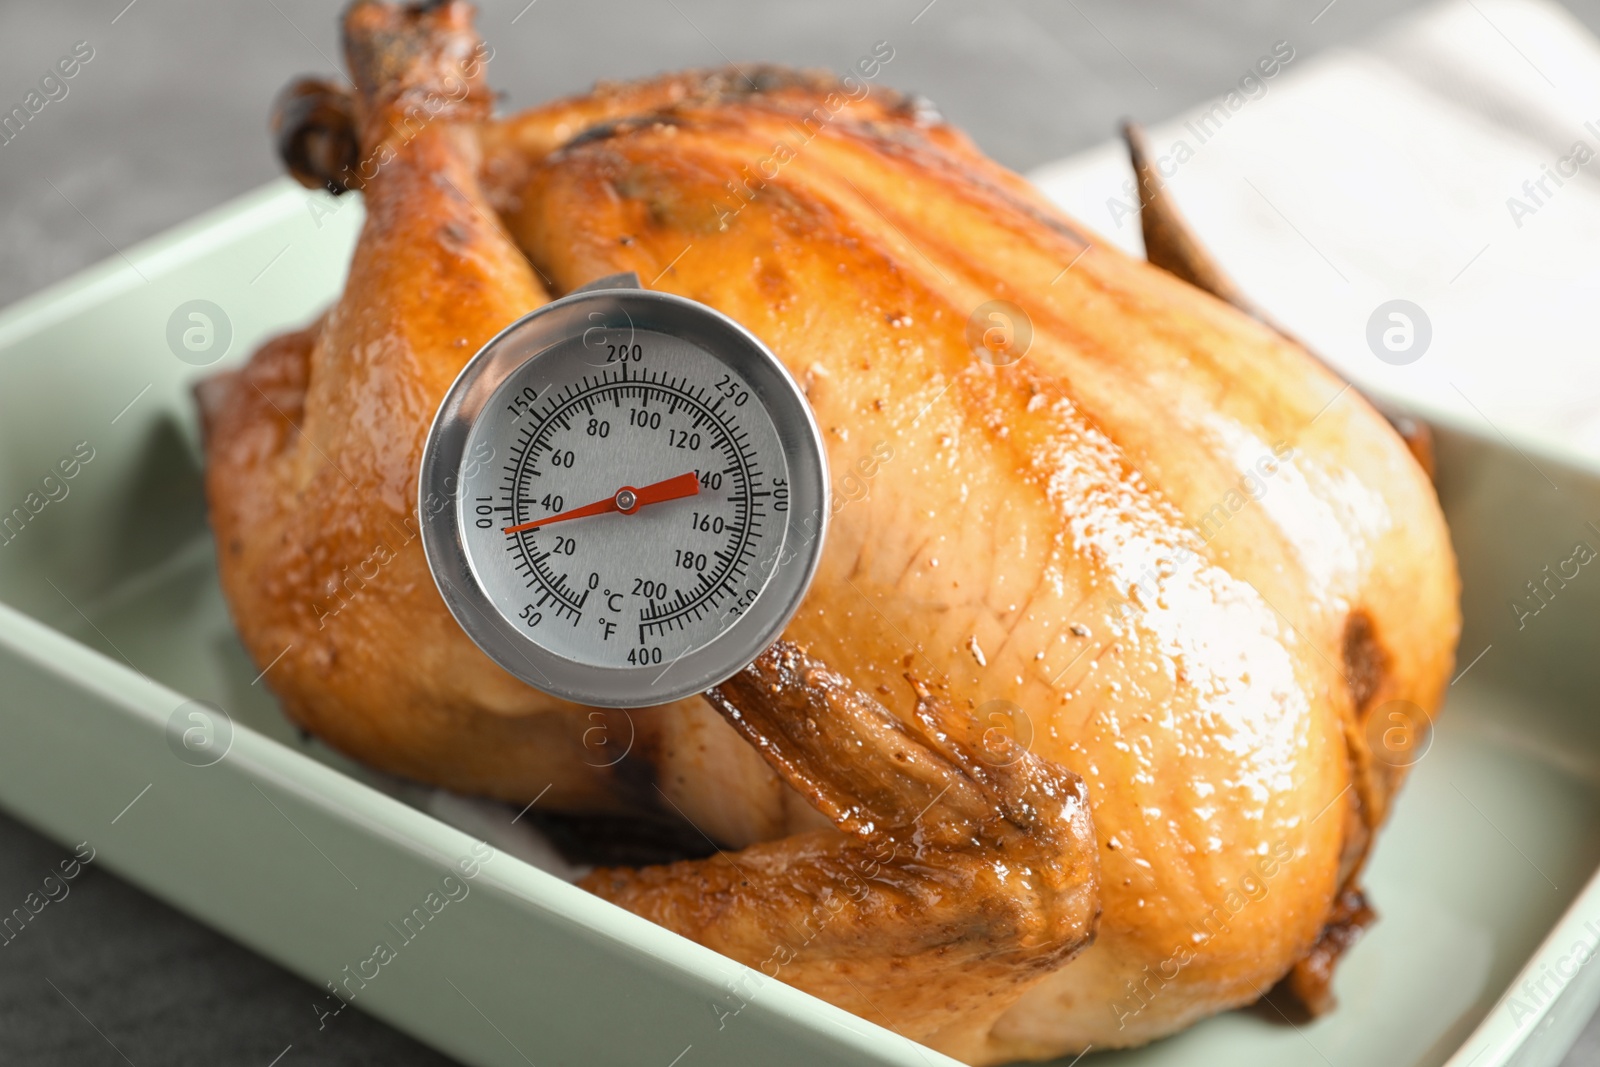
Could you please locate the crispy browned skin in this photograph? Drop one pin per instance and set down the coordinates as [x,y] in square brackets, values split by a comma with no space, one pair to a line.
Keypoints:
[967,872]
[1171,245]
[1073,534]
[313,451]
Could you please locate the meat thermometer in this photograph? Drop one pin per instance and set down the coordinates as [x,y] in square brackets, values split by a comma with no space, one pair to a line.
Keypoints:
[623,496]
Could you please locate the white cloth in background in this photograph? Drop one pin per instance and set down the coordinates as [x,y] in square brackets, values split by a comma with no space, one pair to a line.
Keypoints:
[1388,171]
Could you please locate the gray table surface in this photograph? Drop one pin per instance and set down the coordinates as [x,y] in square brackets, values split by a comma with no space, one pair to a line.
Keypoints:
[168,120]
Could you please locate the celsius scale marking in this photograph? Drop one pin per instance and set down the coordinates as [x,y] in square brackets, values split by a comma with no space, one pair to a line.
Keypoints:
[622,496]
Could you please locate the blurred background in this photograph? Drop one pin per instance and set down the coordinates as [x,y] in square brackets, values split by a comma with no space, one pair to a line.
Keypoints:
[167,118]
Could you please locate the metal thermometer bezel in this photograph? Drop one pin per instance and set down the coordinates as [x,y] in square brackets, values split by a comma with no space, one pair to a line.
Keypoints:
[617,303]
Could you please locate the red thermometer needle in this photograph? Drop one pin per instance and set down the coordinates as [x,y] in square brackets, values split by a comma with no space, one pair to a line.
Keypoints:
[626,500]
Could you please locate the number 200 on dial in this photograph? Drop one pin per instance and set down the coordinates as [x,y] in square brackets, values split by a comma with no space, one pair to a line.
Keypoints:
[635,492]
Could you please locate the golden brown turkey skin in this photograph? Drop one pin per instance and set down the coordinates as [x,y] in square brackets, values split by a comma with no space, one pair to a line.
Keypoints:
[1028,506]
[960,881]
[1164,534]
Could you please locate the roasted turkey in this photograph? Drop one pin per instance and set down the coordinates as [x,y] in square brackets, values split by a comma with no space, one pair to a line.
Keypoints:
[1071,741]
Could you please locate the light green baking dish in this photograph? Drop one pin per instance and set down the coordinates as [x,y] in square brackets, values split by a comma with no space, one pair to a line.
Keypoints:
[111,622]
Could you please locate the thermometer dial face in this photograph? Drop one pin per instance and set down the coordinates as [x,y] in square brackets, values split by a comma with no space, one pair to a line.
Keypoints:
[622,497]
